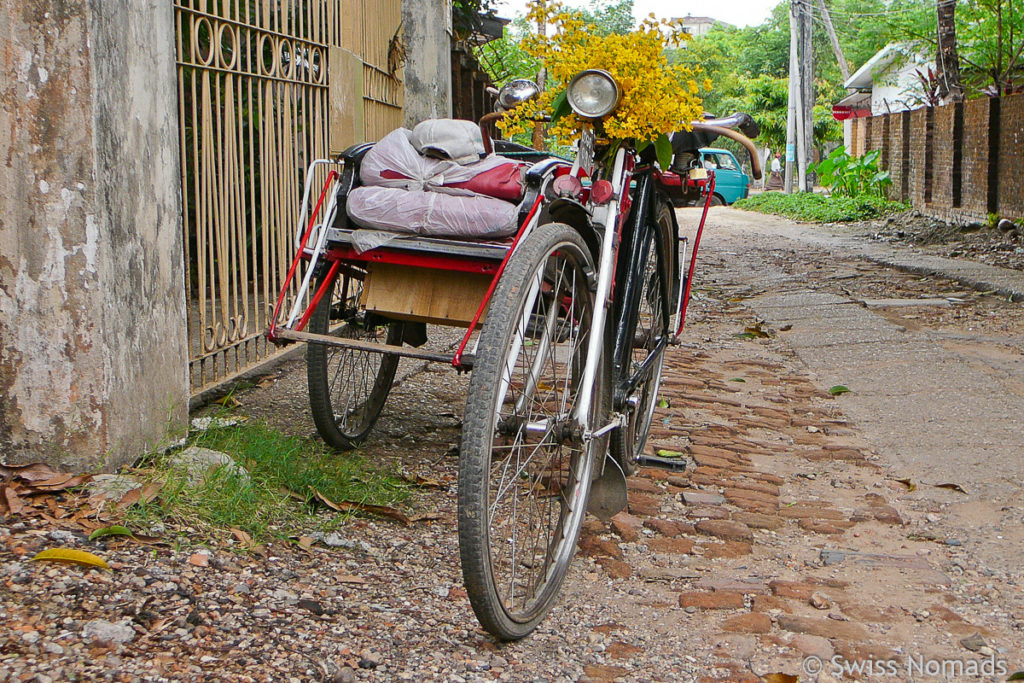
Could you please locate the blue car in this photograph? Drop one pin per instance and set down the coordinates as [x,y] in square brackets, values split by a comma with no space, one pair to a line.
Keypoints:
[731,183]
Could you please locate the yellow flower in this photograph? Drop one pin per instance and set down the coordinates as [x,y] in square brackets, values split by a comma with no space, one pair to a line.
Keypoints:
[657,97]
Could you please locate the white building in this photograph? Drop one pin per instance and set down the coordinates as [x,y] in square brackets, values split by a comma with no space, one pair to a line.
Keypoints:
[698,26]
[891,81]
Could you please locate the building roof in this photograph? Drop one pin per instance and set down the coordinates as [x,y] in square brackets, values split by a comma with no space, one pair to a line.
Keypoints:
[691,20]
[863,78]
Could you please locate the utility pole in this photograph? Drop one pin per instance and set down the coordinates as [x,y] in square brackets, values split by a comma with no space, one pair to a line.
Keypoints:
[794,89]
[807,95]
[837,49]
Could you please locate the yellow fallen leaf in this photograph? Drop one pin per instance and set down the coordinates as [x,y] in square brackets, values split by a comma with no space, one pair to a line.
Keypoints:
[73,556]
[911,486]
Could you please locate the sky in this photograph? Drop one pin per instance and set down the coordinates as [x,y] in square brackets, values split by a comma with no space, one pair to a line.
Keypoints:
[736,12]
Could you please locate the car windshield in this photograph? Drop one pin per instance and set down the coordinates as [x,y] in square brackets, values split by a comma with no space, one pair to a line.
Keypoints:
[725,161]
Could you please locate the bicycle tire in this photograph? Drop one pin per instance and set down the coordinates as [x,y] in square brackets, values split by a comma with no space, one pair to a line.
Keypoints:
[651,301]
[544,500]
[347,387]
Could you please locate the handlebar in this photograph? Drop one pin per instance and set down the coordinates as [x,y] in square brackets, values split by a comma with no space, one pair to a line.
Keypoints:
[707,127]
[720,126]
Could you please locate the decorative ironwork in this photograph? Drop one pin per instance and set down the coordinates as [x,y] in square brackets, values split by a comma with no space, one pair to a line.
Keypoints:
[254,111]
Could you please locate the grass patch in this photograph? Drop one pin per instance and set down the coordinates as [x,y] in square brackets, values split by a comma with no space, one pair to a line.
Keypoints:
[817,208]
[275,499]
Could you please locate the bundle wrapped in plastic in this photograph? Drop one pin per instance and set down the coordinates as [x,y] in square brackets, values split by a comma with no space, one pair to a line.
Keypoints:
[405,191]
[432,213]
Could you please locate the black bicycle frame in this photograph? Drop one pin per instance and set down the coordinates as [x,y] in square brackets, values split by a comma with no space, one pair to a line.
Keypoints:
[638,230]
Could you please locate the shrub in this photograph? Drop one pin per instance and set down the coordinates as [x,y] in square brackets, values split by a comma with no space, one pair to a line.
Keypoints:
[817,208]
[853,176]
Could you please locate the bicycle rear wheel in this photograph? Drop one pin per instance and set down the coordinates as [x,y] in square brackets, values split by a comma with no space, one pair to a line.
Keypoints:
[524,470]
[646,353]
[348,387]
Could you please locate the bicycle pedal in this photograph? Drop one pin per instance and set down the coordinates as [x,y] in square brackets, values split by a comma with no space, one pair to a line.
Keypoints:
[672,464]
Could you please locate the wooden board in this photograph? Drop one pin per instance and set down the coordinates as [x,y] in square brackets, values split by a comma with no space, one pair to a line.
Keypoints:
[442,297]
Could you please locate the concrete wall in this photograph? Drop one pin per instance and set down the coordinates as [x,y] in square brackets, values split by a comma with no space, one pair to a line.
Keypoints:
[426,31]
[93,355]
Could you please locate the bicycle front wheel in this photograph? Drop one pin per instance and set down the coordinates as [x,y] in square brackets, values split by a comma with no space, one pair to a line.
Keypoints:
[348,387]
[646,353]
[525,471]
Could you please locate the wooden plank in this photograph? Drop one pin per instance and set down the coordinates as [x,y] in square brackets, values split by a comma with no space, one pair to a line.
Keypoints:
[346,99]
[442,297]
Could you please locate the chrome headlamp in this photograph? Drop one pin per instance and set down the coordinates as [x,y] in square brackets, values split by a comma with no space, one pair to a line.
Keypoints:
[515,92]
[593,94]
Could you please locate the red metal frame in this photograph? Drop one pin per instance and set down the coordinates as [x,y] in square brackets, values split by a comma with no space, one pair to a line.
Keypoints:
[399,258]
[457,358]
[693,254]
[271,333]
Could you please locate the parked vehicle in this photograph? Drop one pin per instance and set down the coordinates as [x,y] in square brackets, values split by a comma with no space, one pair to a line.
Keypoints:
[731,183]
[567,342]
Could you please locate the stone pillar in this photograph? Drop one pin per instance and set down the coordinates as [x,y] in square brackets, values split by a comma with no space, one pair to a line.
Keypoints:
[426,31]
[93,348]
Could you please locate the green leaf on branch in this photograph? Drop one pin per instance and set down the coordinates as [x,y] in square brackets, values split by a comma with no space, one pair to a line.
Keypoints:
[560,106]
[663,146]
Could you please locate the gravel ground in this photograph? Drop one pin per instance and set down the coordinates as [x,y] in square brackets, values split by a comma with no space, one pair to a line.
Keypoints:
[717,573]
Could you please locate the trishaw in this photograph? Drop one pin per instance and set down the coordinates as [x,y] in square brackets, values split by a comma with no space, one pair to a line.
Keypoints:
[568,312]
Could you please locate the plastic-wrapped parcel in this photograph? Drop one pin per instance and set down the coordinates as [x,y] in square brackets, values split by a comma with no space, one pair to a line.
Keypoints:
[405,191]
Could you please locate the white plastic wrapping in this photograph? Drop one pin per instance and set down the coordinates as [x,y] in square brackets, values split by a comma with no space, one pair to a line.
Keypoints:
[436,214]
[394,162]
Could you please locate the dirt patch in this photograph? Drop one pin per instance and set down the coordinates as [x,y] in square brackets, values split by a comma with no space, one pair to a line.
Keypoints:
[991,244]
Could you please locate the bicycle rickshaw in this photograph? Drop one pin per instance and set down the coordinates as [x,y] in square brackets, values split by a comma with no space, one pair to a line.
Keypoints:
[567,307]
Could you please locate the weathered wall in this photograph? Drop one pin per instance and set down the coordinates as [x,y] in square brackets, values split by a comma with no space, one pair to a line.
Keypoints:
[92,342]
[425,31]
[959,171]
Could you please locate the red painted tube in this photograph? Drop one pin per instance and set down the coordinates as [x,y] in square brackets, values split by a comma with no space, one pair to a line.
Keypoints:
[693,255]
[298,256]
[457,358]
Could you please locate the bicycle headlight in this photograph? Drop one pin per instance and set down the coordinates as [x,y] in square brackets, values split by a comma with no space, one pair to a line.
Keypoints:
[515,93]
[593,94]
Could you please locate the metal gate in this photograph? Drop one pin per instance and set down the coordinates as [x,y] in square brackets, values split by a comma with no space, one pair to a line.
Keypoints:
[264,87]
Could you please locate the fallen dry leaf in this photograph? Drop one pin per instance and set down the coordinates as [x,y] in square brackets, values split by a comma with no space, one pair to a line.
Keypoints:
[86,523]
[71,556]
[425,517]
[129,499]
[911,486]
[781,678]
[348,506]
[242,536]
[199,560]
[305,542]
[56,481]
[951,487]
[13,501]
[61,483]
[349,578]
[37,471]
[150,491]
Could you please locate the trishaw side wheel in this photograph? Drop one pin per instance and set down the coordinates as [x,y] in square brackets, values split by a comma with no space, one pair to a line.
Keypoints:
[348,387]
[652,302]
[524,470]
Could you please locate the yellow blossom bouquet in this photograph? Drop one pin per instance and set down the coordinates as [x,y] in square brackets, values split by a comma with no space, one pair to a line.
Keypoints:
[657,97]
